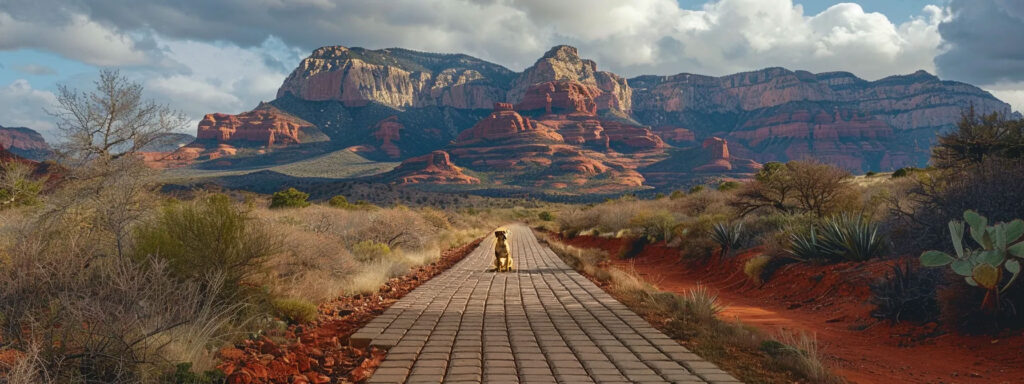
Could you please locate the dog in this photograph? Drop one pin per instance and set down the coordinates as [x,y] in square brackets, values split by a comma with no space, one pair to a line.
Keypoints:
[502,252]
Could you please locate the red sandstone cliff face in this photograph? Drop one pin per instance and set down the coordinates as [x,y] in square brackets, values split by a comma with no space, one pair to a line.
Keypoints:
[562,63]
[435,167]
[833,117]
[396,78]
[263,126]
[25,143]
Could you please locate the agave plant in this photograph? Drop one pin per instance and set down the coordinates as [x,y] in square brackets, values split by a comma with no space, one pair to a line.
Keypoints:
[728,236]
[853,238]
[841,238]
[983,267]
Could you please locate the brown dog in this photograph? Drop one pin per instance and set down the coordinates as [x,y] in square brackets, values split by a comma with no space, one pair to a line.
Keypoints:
[502,252]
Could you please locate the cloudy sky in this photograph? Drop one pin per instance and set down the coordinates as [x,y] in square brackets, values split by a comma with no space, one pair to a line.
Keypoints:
[204,56]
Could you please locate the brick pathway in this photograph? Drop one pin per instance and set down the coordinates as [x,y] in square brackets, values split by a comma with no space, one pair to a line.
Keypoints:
[543,323]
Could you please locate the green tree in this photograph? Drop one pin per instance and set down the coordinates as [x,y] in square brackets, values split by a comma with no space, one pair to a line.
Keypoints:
[289,198]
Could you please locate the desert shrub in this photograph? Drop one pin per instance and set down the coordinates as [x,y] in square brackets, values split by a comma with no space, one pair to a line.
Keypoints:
[729,236]
[207,237]
[654,226]
[311,264]
[906,294]
[436,219]
[545,216]
[104,320]
[696,189]
[676,194]
[800,353]
[702,303]
[339,201]
[295,311]
[289,198]
[755,267]
[903,172]
[870,174]
[368,251]
[17,186]
[993,187]
[631,248]
[980,136]
[839,238]
[396,227]
[795,187]
[728,186]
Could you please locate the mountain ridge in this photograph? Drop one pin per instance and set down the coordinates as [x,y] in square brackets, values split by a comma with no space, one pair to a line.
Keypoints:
[395,104]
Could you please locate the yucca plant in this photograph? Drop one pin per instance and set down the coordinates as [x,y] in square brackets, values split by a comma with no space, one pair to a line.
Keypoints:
[852,238]
[983,267]
[728,236]
[841,238]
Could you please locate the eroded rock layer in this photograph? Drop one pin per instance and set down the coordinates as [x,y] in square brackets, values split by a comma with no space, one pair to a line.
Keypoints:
[563,122]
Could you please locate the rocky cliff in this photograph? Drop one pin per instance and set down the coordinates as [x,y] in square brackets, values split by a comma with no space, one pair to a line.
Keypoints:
[563,122]
[25,142]
[264,126]
[776,114]
[396,78]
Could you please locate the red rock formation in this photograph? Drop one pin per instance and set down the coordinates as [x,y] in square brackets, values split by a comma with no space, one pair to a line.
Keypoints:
[717,151]
[24,142]
[841,138]
[386,132]
[435,167]
[505,124]
[560,97]
[394,77]
[562,63]
[265,126]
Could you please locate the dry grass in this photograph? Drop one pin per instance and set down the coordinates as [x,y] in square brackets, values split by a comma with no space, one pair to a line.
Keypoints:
[800,352]
[326,247]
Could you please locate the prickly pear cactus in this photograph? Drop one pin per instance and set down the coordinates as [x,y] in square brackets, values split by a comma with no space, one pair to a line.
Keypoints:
[998,252]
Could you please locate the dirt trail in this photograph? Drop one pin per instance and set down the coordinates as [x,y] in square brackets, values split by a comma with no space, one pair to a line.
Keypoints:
[830,302]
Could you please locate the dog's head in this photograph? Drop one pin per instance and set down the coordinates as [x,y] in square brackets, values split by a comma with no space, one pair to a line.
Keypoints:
[501,235]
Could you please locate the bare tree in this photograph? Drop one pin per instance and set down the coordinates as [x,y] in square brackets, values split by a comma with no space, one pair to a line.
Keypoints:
[102,130]
[817,186]
[112,122]
[796,186]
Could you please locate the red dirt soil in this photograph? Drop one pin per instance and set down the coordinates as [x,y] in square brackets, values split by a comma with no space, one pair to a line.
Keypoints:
[319,352]
[831,302]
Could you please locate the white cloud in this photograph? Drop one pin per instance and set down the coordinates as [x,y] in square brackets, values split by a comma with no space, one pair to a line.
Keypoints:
[23,106]
[79,39]
[218,77]
[191,54]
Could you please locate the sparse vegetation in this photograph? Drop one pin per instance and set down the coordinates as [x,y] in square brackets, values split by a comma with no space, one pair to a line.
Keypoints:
[289,198]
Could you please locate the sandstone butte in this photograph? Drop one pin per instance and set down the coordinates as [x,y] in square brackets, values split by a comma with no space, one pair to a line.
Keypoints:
[435,168]
[564,115]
